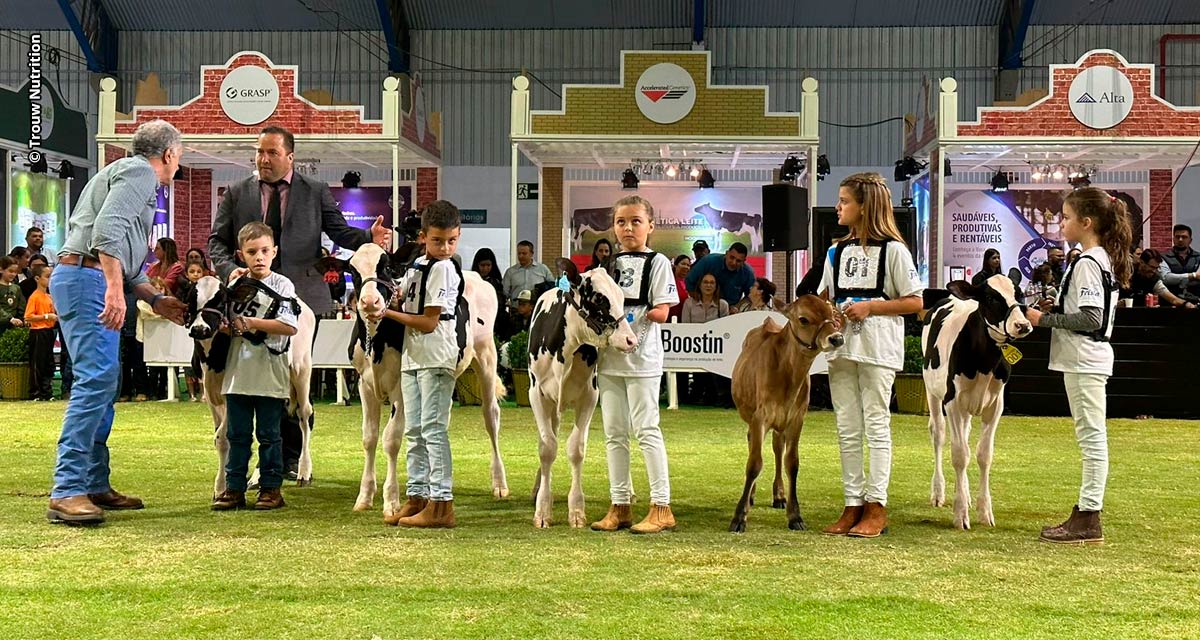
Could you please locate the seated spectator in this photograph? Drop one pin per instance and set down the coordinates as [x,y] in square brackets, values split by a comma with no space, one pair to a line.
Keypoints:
[760,298]
[169,267]
[12,301]
[1146,279]
[1041,292]
[29,285]
[196,254]
[1074,254]
[601,252]
[702,305]
[526,274]
[733,275]
[683,264]
[485,264]
[990,267]
[524,312]
[1057,260]
[1180,268]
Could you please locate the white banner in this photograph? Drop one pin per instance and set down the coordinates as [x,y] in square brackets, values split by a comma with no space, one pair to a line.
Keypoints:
[715,346]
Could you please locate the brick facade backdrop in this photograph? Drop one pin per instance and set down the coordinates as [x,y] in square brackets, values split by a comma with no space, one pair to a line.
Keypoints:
[1162,216]
[550,242]
[427,186]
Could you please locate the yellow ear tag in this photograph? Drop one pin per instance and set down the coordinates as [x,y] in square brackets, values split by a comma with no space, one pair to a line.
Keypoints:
[1011,354]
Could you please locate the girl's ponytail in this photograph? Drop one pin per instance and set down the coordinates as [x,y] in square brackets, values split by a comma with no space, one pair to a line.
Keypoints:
[1110,218]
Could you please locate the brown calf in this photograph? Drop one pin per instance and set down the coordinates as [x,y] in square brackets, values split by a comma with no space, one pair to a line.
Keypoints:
[770,389]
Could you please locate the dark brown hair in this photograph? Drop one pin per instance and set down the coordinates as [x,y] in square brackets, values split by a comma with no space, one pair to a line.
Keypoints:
[1110,222]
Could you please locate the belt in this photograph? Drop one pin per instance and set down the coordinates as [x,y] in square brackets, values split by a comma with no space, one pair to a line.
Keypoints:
[74,259]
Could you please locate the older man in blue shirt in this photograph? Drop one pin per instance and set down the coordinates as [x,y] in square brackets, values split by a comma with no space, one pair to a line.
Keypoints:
[734,276]
[100,261]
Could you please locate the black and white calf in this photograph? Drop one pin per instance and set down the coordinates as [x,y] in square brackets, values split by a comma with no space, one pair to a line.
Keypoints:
[375,354]
[965,372]
[209,304]
[566,334]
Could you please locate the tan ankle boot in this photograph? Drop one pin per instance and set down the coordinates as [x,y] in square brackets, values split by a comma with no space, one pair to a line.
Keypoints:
[435,515]
[850,517]
[411,507]
[873,524]
[659,519]
[619,516]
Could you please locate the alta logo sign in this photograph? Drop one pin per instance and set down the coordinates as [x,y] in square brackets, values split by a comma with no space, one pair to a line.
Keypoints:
[665,93]
[249,95]
[1100,97]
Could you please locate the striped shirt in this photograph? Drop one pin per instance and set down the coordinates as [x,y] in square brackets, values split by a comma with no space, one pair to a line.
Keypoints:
[114,216]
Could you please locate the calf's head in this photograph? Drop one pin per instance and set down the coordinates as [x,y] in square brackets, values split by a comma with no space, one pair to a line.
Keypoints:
[998,306]
[812,322]
[601,305]
[206,308]
[374,280]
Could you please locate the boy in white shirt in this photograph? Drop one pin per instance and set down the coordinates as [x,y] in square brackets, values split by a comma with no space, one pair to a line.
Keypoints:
[432,288]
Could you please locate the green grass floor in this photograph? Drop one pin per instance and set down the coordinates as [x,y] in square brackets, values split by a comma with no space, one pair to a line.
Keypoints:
[318,570]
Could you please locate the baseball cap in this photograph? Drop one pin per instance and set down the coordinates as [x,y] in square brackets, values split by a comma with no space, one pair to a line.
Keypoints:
[700,244]
[525,296]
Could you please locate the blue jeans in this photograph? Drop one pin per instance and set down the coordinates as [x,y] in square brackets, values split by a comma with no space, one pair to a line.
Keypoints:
[241,412]
[427,397]
[82,465]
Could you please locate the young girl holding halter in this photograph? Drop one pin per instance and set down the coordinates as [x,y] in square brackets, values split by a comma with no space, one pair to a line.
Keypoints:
[869,275]
[629,382]
[1082,323]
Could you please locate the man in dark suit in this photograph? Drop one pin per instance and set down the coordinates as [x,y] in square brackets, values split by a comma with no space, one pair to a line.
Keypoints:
[297,209]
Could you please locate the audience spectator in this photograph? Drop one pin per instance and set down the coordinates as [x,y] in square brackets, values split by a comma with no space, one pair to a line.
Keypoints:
[29,285]
[526,274]
[700,249]
[1041,291]
[601,252]
[1072,256]
[22,256]
[523,313]
[41,319]
[1057,260]
[196,254]
[485,264]
[683,264]
[761,297]
[702,305]
[734,276]
[1180,268]
[35,242]
[990,267]
[12,301]
[1146,279]
[168,268]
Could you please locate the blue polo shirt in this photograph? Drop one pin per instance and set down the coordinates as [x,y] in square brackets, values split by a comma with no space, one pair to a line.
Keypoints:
[734,285]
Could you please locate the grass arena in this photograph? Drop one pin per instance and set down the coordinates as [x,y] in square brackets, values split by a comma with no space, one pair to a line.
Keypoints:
[316,569]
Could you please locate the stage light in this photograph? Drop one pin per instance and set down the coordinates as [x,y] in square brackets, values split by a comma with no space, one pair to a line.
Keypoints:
[351,179]
[999,182]
[695,172]
[790,169]
[66,170]
[39,165]
[706,180]
[629,180]
[822,166]
[907,168]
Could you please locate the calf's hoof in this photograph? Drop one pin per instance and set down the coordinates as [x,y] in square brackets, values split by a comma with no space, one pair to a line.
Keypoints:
[500,492]
[737,525]
[304,482]
[779,503]
[796,524]
[362,506]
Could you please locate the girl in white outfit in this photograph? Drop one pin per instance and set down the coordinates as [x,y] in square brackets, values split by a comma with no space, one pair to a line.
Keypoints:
[870,276]
[1082,323]
[629,382]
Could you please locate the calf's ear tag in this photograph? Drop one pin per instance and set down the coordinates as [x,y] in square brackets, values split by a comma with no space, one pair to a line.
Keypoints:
[1011,354]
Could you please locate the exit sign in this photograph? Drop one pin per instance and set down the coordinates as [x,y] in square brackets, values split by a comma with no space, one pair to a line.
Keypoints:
[527,191]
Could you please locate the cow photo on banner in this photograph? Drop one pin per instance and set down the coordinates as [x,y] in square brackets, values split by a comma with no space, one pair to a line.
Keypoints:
[683,214]
[1019,223]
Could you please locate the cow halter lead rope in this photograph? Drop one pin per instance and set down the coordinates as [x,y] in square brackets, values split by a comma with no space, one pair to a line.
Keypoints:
[599,326]
[813,346]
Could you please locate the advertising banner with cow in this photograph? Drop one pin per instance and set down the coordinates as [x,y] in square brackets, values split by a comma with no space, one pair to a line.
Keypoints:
[1020,223]
[684,214]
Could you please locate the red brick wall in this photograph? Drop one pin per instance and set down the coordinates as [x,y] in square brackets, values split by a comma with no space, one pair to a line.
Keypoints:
[1163,216]
[193,209]
[427,186]
[935,219]
[1149,117]
[112,153]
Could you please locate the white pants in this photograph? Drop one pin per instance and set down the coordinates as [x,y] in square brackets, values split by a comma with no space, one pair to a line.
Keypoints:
[861,395]
[1086,395]
[629,407]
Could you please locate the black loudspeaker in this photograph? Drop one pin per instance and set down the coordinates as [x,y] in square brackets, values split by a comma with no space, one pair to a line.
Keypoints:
[785,219]
[826,228]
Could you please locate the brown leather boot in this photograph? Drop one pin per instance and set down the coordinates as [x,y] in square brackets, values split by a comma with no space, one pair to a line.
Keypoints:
[269,499]
[74,510]
[659,519]
[411,507]
[113,500]
[619,516]
[435,515]
[229,500]
[873,523]
[850,517]
[1083,527]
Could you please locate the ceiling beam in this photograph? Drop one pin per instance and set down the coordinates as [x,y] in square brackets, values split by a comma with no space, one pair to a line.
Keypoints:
[98,40]
[1013,27]
[393,21]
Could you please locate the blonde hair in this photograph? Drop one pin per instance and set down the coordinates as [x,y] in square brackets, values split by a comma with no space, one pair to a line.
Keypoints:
[876,220]
[1110,220]
[635,201]
[254,231]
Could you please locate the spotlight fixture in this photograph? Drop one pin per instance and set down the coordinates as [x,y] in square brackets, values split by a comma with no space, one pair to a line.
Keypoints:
[706,180]
[351,179]
[39,165]
[629,179]
[822,166]
[907,168]
[1000,182]
[66,170]
[695,173]
[790,169]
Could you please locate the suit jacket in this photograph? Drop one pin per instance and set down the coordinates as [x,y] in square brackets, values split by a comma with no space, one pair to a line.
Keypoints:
[310,210]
